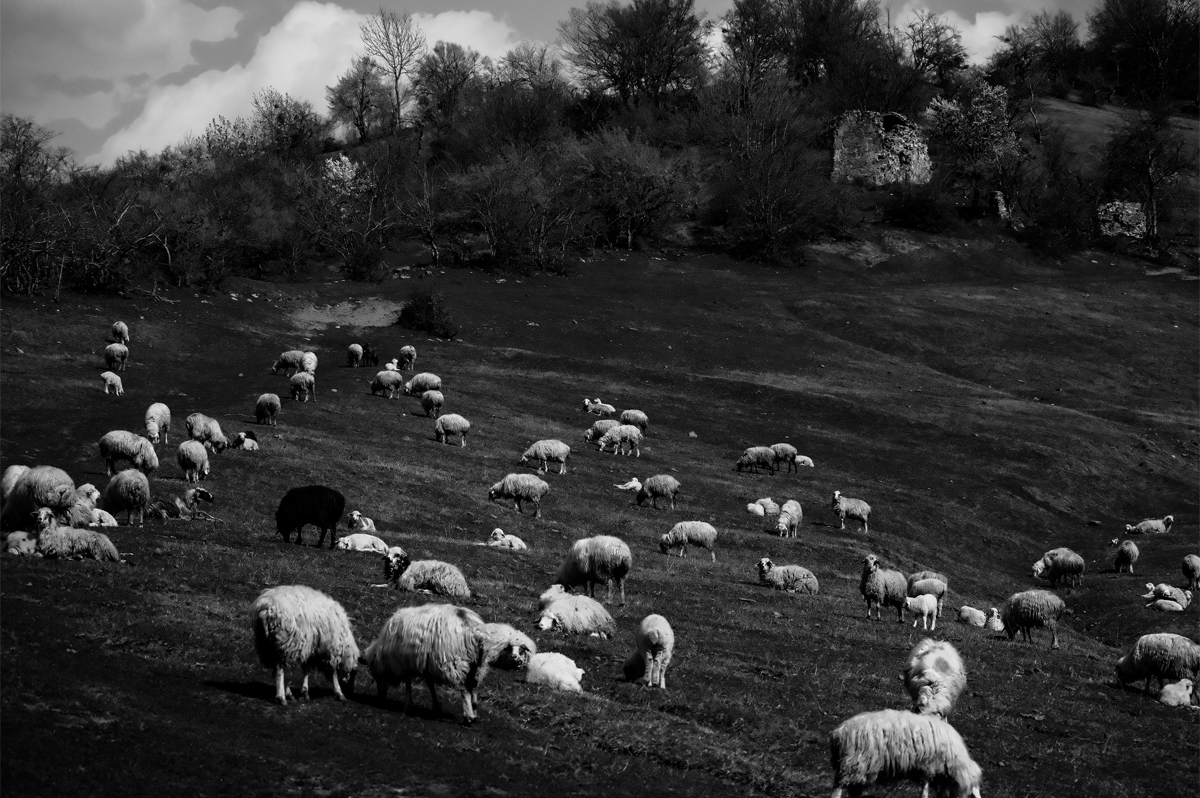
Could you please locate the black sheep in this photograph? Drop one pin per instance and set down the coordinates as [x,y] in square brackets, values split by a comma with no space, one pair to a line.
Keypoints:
[311,504]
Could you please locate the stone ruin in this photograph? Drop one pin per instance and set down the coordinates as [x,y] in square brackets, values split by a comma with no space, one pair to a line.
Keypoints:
[1122,219]
[879,149]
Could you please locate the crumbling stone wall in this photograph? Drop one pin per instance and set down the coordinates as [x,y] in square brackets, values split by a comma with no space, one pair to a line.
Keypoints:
[879,149]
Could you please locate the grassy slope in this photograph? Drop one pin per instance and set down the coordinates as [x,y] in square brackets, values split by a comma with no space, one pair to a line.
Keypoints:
[986,406]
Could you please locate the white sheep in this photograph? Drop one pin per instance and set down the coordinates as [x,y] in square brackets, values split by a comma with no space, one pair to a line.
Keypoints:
[846,507]
[597,430]
[310,362]
[431,403]
[1191,571]
[392,365]
[971,616]
[1031,608]
[158,423]
[695,533]
[28,489]
[934,677]
[635,418]
[303,385]
[20,544]
[120,445]
[787,454]
[1165,605]
[924,607]
[206,430]
[507,647]
[554,670]
[654,643]
[1127,554]
[1163,591]
[1177,694]
[994,622]
[451,424]
[291,359]
[598,408]
[120,332]
[420,383]
[389,382]
[621,436]
[429,576]
[763,508]
[521,488]
[882,587]
[440,644]
[296,626]
[115,356]
[83,506]
[112,381]
[354,354]
[266,408]
[601,559]
[662,486]
[1164,656]
[1151,526]
[756,457]
[361,541]
[408,358]
[129,490]
[245,441]
[919,576]
[68,543]
[887,745]
[548,451]
[790,517]
[499,540]
[792,578]
[102,518]
[929,587]
[577,615]
[9,480]
[193,461]
[361,523]
[1060,564]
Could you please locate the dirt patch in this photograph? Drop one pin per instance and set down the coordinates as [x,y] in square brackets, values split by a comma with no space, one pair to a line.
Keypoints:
[370,312]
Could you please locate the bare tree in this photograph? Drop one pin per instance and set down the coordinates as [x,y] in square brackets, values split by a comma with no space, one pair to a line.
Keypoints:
[935,48]
[396,42]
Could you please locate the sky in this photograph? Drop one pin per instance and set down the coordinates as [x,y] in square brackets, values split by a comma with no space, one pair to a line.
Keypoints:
[110,76]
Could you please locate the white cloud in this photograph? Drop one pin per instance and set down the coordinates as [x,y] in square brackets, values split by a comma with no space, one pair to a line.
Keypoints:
[979,35]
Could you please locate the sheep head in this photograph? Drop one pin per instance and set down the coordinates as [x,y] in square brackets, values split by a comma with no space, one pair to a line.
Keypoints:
[663,545]
[764,567]
[546,623]
[1039,568]
[1114,543]
[837,498]
[497,534]
[395,562]
[44,519]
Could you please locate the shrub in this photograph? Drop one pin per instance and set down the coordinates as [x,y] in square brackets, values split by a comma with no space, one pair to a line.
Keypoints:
[930,208]
[426,311]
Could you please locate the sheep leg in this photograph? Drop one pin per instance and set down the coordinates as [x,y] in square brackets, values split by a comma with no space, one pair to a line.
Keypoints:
[537,509]
[714,554]
[562,467]
[637,451]
[468,707]
[280,689]
[865,530]
[621,585]
[437,707]
[407,696]
[304,686]
[933,625]
[462,440]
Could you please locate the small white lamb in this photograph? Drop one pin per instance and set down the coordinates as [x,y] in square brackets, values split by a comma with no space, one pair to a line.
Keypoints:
[112,381]
[360,523]
[924,607]
[498,539]
[655,643]
[553,670]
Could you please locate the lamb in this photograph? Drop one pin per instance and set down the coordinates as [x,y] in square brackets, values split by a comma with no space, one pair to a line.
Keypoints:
[310,362]
[122,445]
[994,622]
[83,506]
[392,365]
[1031,608]
[553,670]
[1163,591]
[408,358]
[887,745]
[1061,563]
[577,615]
[934,677]
[184,508]
[266,408]
[635,418]
[924,607]
[20,544]
[598,408]
[757,457]
[1165,605]
[129,490]
[354,354]
[597,430]
[387,381]
[421,383]
[507,647]
[112,381]
[356,520]
[763,508]
[102,518]
[120,332]
[845,507]
[68,543]
[499,540]
[882,587]
[303,385]
[660,486]
[601,559]
[1177,694]
[432,576]
[439,643]
[521,488]
[451,424]
[361,541]
[928,587]
[296,626]
[548,451]
[654,643]
[115,356]
[291,359]
[1127,555]
[1191,571]
[206,430]
[158,422]
[971,616]
[619,437]
[193,461]
[29,489]
[311,504]
[792,578]
[245,441]
[1164,656]
[431,403]
[696,533]
[790,518]
[1151,526]
[786,453]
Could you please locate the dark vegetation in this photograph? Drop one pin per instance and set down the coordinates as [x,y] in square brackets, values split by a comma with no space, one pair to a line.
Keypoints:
[426,311]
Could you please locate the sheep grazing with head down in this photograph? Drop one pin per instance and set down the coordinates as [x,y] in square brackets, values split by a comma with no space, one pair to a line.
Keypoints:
[1191,571]
[1031,608]
[855,509]
[431,403]
[786,453]
[924,608]
[756,457]
[1165,656]
[507,647]
[440,644]
[450,425]
[1060,564]
[928,587]
[120,332]
[121,445]
[548,451]
[971,616]
[115,356]
[112,383]
[311,504]
[598,408]
[193,461]
[792,578]
[303,385]
[575,615]
[887,745]
[790,517]
[521,488]
[68,543]
[1151,526]
[158,423]
[660,486]
[420,383]
[620,437]
[554,670]
[695,533]
[354,355]
[934,677]
[423,576]
[361,541]
[291,359]
[1164,592]
[309,363]
[597,430]
[389,382]
[28,489]
[1127,554]
[635,418]
[654,643]
[296,626]
[408,358]
[500,540]
[129,490]
[266,409]
[206,430]
[602,559]
[882,587]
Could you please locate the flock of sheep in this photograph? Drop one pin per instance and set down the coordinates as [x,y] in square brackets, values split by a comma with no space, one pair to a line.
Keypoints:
[442,644]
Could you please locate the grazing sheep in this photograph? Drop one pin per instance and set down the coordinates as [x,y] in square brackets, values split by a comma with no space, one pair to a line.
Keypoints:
[1165,656]
[696,533]
[440,644]
[361,541]
[757,457]
[1151,526]
[1127,554]
[206,430]
[521,488]
[158,422]
[636,418]
[1191,571]
[311,504]
[971,616]
[1163,591]
[129,490]
[790,518]
[28,489]
[507,647]
[429,576]
[577,615]
[387,381]
[845,507]
[193,461]
[597,430]
[553,670]
[354,354]
[598,408]
[292,359]
[924,607]
[792,578]
[68,543]
[20,544]
[882,587]
[408,358]
[112,381]
[1031,608]
[662,486]
[1061,563]
[420,383]
[786,453]
[654,643]
[499,540]
[929,587]
[120,332]
[934,677]
[620,436]
[360,522]
[115,356]
[1177,694]
[451,424]
[296,626]
[122,445]
[303,385]
[887,746]
[602,559]
[102,518]
[431,403]
[266,408]
[309,362]
[548,451]
[994,621]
